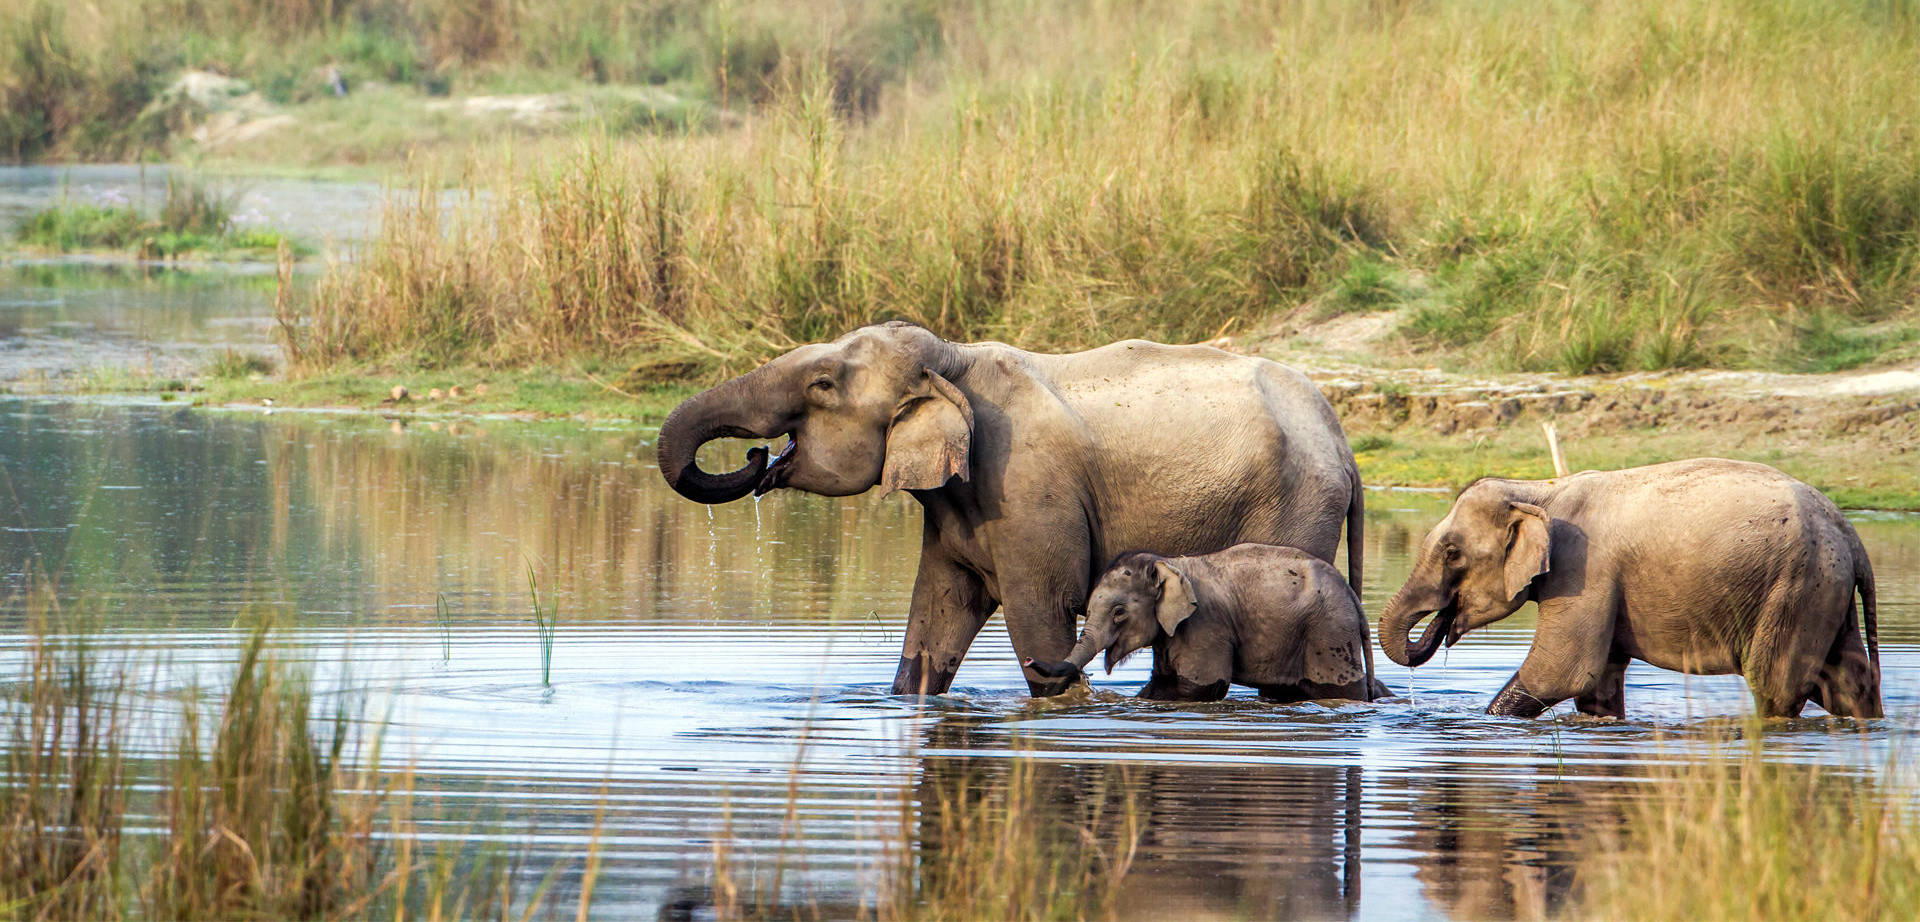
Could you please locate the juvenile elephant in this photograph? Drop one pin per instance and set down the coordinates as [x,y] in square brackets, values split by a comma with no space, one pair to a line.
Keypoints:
[1708,566]
[1033,469]
[1274,618]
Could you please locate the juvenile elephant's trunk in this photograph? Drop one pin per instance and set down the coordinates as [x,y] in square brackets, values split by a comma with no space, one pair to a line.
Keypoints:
[1397,622]
[747,407]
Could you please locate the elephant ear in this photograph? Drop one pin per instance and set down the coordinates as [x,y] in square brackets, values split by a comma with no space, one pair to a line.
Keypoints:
[1336,648]
[1528,547]
[931,438]
[1176,598]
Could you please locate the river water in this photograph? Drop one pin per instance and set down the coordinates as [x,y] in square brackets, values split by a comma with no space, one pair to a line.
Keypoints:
[719,676]
[703,654]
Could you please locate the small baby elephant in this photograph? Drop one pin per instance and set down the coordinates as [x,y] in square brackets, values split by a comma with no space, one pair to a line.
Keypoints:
[1274,618]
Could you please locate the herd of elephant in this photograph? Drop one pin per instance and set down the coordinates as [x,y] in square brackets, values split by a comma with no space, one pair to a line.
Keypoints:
[1192,501]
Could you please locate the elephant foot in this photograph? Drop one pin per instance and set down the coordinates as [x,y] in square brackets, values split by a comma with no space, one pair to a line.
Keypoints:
[1515,701]
[918,677]
[1048,688]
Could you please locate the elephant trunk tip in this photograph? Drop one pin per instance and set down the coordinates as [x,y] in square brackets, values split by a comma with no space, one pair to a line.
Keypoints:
[1440,631]
[724,412]
[1052,669]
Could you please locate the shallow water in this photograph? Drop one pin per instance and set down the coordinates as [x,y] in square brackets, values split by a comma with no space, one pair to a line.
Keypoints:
[62,320]
[702,654]
[67,316]
[322,212]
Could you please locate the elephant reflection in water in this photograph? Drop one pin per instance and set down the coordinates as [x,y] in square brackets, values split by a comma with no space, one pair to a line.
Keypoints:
[1492,850]
[1489,846]
[1228,841]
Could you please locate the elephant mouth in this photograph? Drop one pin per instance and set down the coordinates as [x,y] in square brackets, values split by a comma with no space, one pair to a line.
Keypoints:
[777,473]
[1445,627]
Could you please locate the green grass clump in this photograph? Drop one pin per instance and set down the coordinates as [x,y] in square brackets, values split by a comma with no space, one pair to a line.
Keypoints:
[233,363]
[1368,284]
[192,220]
[65,228]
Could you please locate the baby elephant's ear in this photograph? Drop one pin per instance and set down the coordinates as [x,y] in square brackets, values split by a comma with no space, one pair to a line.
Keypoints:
[1176,597]
[931,438]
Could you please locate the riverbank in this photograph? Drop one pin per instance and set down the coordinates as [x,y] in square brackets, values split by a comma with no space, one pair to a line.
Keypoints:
[1856,436]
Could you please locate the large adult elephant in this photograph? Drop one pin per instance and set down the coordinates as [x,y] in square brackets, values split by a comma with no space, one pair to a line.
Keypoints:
[1033,470]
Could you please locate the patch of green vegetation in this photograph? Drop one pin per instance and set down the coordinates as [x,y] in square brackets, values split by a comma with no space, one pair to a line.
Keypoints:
[71,227]
[1368,284]
[1372,441]
[1824,342]
[193,219]
[233,363]
[531,392]
[1853,473]
[68,227]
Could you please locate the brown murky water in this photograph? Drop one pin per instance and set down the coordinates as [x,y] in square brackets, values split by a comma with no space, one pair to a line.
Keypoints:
[703,653]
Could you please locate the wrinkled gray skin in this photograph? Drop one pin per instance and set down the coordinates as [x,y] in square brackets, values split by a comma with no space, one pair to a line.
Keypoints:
[1033,470]
[1708,567]
[1274,618]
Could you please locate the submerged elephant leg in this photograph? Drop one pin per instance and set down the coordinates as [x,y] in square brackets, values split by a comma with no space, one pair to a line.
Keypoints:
[1848,685]
[1042,631]
[1515,700]
[1570,653]
[1786,655]
[950,605]
[1043,603]
[1608,698]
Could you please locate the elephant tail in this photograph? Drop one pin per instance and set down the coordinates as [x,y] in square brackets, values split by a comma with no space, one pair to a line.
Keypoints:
[1869,599]
[1356,512]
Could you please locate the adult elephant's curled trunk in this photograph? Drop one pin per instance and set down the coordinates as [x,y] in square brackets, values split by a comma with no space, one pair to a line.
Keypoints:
[732,410]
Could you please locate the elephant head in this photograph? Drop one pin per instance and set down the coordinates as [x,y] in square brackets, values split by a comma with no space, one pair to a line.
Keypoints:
[1474,568]
[869,408]
[1139,599]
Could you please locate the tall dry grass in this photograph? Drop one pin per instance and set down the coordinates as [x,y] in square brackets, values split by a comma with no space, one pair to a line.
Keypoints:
[995,840]
[260,808]
[1585,187]
[88,80]
[1742,836]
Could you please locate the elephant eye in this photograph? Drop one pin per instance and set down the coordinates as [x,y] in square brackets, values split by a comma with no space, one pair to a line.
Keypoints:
[1119,613]
[823,384]
[1453,553]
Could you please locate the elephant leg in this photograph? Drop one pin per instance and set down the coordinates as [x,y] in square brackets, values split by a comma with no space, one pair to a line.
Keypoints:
[1160,688]
[1570,654]
[1044,591]
[950,605]
[1043,630]
[1848,685]
[1515,700]
[1782,662]
[1188,690]
[1608,698]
